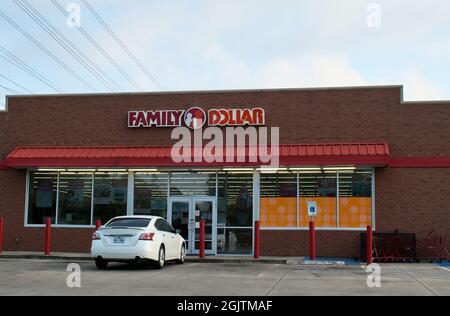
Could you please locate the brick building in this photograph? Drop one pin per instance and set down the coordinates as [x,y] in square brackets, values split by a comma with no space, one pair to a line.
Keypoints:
[361,156]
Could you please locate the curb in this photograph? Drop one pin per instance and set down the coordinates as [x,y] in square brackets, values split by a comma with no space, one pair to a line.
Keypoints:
[298,262]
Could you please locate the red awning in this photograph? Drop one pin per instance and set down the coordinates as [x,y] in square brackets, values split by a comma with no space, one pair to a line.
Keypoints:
[289,155]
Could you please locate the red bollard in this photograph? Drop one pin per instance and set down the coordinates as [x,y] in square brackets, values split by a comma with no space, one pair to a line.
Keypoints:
[369,245]
[2,224]
[48,231]
[312,241]
[202,239]
[98,224]
[257,240]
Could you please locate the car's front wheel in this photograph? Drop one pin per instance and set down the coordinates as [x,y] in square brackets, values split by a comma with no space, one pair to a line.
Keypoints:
[101,264]
[182,255]
[161,258]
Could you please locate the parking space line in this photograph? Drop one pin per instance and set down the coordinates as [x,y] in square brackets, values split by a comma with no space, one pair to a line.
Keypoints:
[276,284]
[420,282]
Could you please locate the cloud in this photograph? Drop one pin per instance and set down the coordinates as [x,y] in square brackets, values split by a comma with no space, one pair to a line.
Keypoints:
[418,87]
[312,71]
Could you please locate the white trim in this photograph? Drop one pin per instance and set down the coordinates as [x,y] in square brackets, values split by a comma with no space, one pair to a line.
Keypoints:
[317,228]
[374,223]
[337,200]
[27,197]
[130,193]
[298,199]
[256,205]
[92,199]
[60,226]
[256,195]
[57,200]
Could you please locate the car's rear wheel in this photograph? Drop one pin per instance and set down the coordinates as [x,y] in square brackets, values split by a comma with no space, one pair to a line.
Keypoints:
[161,258]
[101,264]
[182,255]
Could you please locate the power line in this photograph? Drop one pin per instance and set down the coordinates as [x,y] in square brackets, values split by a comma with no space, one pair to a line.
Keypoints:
[99,48]
[45,50]
[9,89]
[15,83]
[67,45]
[123,45]
[11,58]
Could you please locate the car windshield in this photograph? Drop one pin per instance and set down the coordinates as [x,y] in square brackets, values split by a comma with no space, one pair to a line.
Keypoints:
[130,222]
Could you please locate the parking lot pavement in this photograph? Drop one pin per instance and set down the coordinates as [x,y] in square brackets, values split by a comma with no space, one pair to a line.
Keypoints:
[47,277]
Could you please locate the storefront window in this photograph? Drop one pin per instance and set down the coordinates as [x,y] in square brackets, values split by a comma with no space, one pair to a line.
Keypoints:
[110,195]
[42,197]
[355,198]
[150,194]
[321,188]
[235,213]
[278,203]
[343,203]
[75,197]
[192,184]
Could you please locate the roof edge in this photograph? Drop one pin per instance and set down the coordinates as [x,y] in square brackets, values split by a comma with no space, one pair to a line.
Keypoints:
[329,88]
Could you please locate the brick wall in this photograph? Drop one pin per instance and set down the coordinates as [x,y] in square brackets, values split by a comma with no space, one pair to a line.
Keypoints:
[415,200]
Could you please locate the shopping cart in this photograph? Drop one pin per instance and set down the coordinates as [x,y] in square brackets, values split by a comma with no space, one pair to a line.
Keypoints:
[433,248]
[391,247]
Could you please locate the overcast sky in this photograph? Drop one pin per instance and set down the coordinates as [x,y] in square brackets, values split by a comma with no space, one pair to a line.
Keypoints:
[234,44]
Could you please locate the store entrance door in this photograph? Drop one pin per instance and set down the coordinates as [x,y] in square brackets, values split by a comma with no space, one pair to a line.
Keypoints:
[185,214]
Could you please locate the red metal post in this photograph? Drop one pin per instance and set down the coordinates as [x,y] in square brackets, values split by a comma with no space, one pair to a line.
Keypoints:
[312,241]
[48,230]
[2,224]
[202,239]
[257,240]
[369,245]
[98,224]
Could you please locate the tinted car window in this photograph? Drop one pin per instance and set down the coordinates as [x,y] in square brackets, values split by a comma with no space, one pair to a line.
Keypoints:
[162,225]
[130,222]
[168,227]
[159,225]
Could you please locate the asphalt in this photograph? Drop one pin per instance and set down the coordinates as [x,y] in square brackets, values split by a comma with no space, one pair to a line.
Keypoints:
[48,277]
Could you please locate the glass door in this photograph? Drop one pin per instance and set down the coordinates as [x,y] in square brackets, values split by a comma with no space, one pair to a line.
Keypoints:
[185,214]
[182,221]
[205,209]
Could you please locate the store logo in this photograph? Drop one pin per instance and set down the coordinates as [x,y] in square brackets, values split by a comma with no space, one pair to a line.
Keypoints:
[196,118]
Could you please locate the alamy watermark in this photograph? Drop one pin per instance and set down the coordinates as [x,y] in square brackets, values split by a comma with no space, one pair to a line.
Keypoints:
[374,275]
[74,15]
[73,280]
[233,145]
[374,15]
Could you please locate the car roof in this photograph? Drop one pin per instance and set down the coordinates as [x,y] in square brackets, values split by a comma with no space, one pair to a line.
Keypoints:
[138,216]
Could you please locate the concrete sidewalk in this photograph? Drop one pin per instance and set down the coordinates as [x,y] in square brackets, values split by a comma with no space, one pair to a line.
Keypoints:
[208,259]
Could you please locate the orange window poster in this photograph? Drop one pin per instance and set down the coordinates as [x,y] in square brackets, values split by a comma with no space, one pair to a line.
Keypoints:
[278,212]
[355,212]
[326,211]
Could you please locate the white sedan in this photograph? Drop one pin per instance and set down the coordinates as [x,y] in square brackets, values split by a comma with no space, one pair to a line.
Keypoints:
[137,239]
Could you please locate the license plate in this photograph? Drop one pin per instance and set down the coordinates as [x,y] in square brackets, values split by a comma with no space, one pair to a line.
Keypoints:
[119,240]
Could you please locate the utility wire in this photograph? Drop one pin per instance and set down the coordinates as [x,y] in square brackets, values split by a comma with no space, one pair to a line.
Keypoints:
[11,58]
[123,45]
[45,50]
[99,47]
[65,43]
[15,83]
[9,89]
